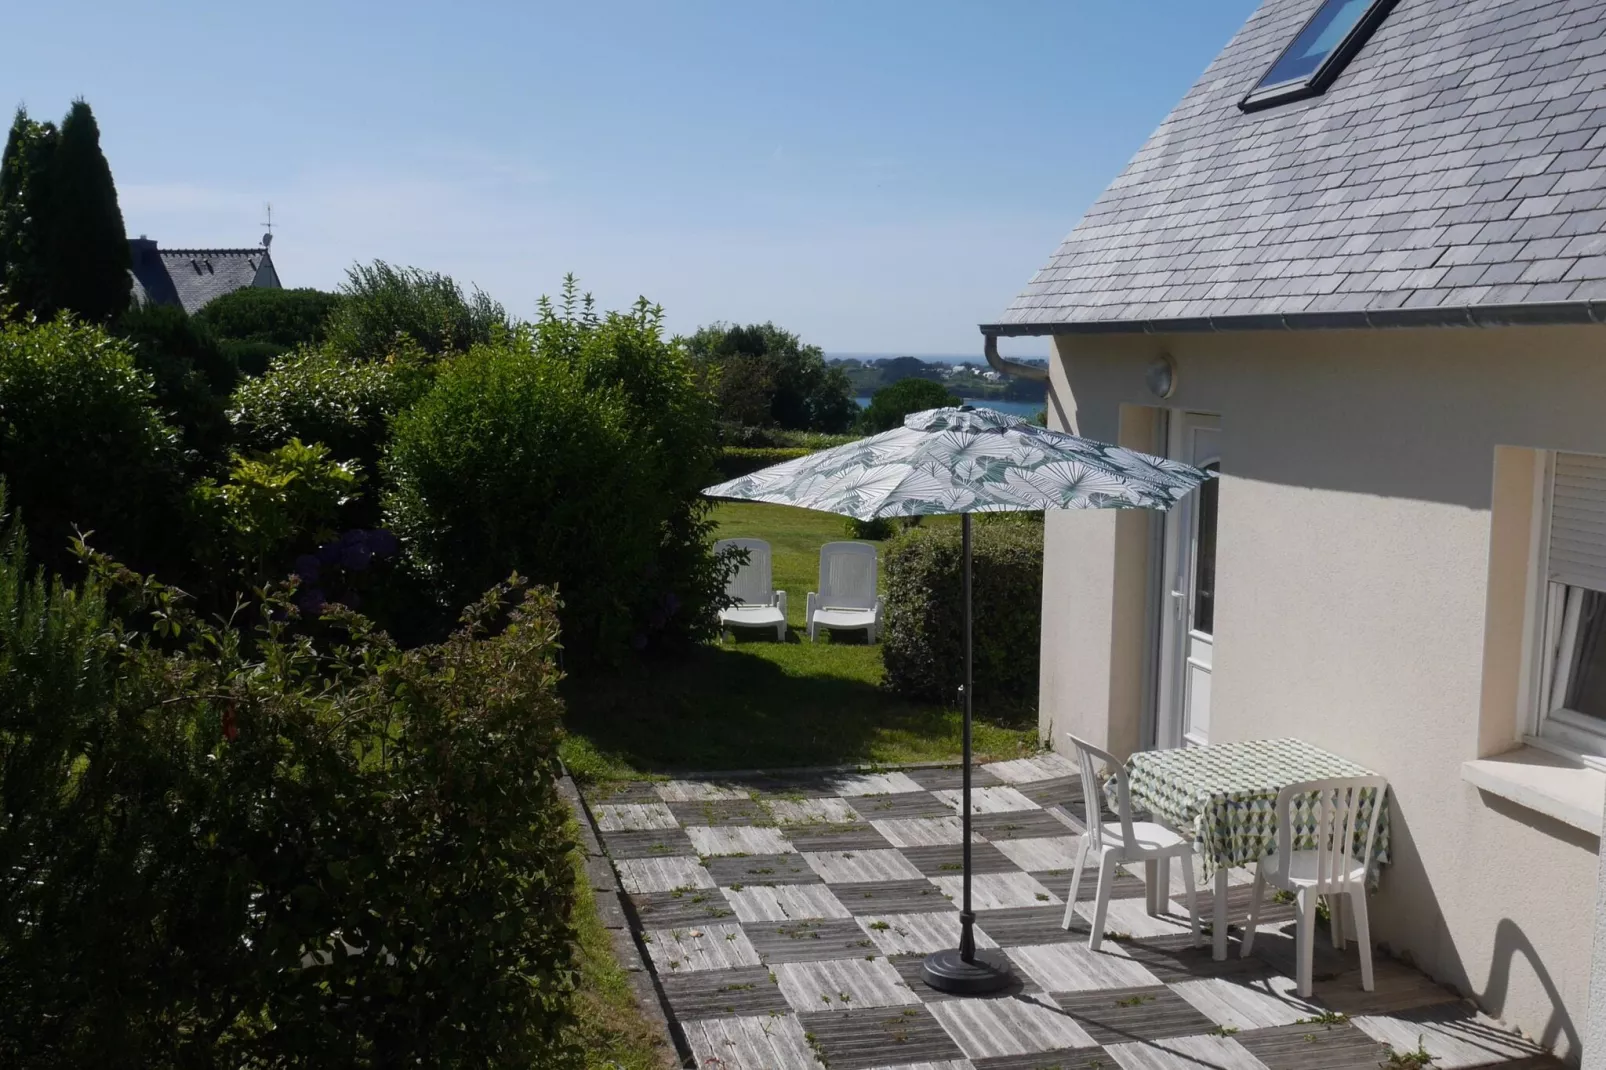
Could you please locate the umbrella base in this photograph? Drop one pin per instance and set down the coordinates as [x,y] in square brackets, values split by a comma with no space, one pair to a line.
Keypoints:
[947,971]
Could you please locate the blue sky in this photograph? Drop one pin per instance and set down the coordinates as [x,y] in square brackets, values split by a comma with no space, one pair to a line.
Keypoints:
[879,176]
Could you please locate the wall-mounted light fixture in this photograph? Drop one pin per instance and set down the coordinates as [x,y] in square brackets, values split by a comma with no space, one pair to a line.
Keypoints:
[1161,376]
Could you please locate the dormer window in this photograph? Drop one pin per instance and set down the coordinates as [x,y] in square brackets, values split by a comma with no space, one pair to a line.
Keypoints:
[1318,53]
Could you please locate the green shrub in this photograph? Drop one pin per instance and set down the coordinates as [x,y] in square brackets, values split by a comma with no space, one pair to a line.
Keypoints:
[284,319]
[277,853]
[923,645]
[569,452]
[279,501]
[191,373]
[874,530]
[82,445]
[737,461]
[890,404]
[381,305]
[316,396]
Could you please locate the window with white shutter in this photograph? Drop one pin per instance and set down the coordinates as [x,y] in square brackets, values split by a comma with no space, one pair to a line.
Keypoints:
[1572,672]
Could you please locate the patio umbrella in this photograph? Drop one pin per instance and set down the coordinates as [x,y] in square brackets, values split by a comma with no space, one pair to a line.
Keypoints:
[967,460]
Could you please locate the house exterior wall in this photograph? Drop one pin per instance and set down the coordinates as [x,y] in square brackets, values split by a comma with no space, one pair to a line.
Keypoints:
[1372,561]
[1595,1032]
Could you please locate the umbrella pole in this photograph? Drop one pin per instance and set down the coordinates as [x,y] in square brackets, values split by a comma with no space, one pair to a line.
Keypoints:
[967,917]
[963,971]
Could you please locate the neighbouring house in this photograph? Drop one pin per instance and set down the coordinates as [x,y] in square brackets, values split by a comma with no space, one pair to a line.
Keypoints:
[190,278]
[1360,270]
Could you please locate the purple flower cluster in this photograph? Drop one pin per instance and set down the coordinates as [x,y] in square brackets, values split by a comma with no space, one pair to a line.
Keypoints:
[353,552]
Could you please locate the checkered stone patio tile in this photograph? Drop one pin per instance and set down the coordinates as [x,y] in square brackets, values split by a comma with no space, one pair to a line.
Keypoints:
[738,840]
[909,934]
[1001,800]
[848,867]
[998,891]
[685,948]
[633,817]
[857,837]
[885,897]
[1029,770]
[761,1042]
[729,870]
[742,991]
[722,812]
[867,1038]
[810,940]
[839,984]
[681,791]
[812,811]
[872,784]
[661,874]
[653,843]
[1014,1025]
[949,860]
[914,804]
[923,831]
[787,920]
[784,902]
[691,906]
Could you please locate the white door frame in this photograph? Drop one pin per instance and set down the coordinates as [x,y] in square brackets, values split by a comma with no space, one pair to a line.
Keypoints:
[1185,654]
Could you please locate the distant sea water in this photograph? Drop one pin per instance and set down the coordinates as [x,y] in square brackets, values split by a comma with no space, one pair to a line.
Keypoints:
[1024,409]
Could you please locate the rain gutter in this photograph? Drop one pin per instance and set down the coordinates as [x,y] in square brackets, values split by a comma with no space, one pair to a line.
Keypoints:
[1540,313]
[1009,367]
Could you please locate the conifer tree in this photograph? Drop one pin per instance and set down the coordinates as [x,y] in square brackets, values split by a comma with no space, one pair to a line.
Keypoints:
[86,253]
[24,214]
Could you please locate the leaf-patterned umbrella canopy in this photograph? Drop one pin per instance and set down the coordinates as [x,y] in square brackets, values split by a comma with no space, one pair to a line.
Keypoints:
[967,460]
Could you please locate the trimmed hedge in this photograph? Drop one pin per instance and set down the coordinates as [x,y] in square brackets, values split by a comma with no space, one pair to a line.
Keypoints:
[736,461]
[923,646]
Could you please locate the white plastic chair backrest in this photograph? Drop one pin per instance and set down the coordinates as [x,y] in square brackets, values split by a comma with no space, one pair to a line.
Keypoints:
[1336,825]
[1092,792]
[750,583]
[847,575]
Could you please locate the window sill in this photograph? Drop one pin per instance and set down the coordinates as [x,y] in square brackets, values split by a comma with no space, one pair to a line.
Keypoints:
[1542,781]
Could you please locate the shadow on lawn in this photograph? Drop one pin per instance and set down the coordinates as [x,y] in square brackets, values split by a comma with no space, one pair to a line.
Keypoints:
[731,708]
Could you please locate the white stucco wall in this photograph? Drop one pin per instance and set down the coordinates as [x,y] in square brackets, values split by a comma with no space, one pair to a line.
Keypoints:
[1355,607]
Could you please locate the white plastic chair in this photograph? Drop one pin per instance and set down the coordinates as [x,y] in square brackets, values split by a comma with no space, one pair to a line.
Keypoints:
[1331,869]
[758,604]
[847,597]
[1121,841]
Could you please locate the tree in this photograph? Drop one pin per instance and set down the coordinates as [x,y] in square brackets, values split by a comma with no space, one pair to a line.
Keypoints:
[86,254]
[24,177]
[892,403]
[804,393]
[256,324]
[381,304]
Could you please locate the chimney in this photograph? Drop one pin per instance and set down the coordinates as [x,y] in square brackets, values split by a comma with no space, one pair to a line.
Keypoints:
[142,250]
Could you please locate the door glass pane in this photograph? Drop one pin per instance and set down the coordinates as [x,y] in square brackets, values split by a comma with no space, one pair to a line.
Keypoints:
[1204,559]
[1586,687]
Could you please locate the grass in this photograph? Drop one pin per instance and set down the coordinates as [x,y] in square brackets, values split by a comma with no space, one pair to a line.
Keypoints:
[609,1025]
[758,703]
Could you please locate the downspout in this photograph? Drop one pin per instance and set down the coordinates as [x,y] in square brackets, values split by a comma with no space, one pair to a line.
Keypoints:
[1010,367]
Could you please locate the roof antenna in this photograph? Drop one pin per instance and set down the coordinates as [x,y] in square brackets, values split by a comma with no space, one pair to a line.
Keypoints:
[267,239]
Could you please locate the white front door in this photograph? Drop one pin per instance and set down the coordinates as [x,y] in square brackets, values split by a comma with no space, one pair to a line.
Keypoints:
[1188,590]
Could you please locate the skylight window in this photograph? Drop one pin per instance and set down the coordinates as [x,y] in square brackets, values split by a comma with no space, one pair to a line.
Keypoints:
[1318,53]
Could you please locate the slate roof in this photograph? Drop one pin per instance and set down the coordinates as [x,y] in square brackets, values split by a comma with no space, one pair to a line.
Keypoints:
[192,277]
[1455,172]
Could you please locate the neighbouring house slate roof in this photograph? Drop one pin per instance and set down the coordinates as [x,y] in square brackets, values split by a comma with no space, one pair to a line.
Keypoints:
[192,277]
[1455,172]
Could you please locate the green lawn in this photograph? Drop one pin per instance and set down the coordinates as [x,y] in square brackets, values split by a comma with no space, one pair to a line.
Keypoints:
[757,703]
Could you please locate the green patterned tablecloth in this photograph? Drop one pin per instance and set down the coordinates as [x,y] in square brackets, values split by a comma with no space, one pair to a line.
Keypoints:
[1226,795]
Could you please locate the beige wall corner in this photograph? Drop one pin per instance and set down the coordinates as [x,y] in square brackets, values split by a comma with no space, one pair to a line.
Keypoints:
[1511,538]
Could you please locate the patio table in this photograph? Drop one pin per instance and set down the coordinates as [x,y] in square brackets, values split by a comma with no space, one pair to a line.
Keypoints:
[1225,794]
